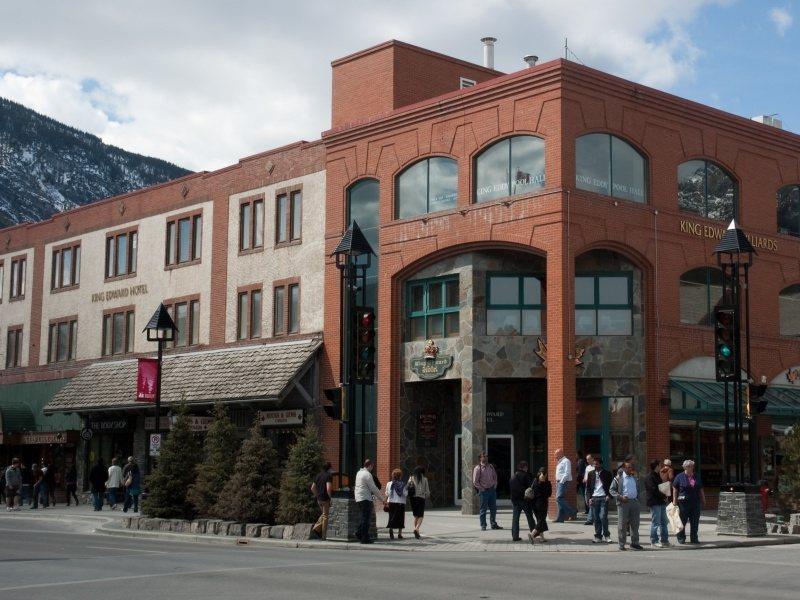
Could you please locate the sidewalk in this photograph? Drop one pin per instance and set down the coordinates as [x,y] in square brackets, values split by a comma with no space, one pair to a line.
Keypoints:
[444,530]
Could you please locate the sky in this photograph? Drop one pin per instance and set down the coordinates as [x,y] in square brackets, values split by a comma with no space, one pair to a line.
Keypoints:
[203,83]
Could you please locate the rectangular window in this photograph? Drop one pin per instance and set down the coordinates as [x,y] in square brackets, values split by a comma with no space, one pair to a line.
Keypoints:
[433,308]
[294,308]
[13,347]
[186,315]
[288,217]
[18,273]
[66,267]
[604,304]
[121,250]
[281,218]
[297,215]
[465,82]
[248,318]
[184,240]
[251,224]
[279,311]
[514,305]
[118,332]
[61,342]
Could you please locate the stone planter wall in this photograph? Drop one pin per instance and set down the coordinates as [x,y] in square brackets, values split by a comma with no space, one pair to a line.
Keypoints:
[300,531]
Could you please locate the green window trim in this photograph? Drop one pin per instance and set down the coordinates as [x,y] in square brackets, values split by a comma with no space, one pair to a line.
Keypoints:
[520,305]
[597,306]
[427,314]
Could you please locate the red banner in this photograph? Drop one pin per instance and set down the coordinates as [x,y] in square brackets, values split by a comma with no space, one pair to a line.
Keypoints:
[146,380]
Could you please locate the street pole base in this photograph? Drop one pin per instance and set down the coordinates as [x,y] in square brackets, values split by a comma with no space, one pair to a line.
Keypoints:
[345,517]
[739,511]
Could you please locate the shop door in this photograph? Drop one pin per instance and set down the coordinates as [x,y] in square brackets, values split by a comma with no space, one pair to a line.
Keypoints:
[501,455]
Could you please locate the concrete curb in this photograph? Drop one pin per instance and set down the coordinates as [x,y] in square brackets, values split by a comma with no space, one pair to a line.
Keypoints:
[412,546]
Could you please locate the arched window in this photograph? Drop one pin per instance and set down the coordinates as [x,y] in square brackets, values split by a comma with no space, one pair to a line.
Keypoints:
[427,186]
[789,210]
[707,190]
[512,166]
[700,292]
[607,165]
[789,308]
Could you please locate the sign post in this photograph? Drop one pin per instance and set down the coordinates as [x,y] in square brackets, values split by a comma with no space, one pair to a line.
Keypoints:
[155,444]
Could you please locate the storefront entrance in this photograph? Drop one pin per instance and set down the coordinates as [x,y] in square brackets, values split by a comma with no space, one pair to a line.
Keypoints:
[605,428]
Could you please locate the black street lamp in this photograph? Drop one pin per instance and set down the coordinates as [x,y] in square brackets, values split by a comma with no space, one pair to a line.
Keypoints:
[161,328]
[353,257]
[735,257]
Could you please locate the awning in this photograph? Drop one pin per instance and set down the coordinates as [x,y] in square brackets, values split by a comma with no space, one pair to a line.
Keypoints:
[256,373]
[783,401]
[16,416]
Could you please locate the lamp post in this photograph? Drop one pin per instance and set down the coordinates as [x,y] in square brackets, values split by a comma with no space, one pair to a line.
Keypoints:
[353,257]
[161,328]
[735,257]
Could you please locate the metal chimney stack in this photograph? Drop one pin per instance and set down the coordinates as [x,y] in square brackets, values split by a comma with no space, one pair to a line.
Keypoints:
[530,59]
[488,52]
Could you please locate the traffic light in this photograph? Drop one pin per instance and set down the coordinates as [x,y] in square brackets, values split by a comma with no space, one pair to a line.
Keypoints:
[365,345]
[756,402]
[724,349]
[334,409]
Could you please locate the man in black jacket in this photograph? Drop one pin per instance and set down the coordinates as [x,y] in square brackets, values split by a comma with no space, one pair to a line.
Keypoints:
[598,495]
[97,483]
[657,501]
[520,482]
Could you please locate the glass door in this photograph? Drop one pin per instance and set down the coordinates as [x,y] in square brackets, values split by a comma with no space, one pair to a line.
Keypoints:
[501,454]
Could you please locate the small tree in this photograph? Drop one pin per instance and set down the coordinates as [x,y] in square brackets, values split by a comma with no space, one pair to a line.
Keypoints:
[168,485]
[220,448]
[296,504]
[789,484]
[252,491]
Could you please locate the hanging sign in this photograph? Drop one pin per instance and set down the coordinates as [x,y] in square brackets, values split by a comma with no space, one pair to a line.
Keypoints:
[431,365]
[42,437]
[146,380]
[279,418]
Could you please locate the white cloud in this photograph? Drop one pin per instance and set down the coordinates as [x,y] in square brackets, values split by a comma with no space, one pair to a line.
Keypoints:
[781,18]
[204,83]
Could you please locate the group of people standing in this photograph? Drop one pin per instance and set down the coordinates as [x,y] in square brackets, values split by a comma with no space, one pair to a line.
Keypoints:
[115,482]
[34,486]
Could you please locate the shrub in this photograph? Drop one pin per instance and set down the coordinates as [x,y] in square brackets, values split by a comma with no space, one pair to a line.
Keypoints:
[297,504]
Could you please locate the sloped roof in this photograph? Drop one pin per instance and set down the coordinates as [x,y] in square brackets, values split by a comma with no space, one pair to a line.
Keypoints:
[261,372]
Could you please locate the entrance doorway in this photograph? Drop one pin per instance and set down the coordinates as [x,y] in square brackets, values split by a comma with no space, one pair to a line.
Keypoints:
[605,428]
[501,454]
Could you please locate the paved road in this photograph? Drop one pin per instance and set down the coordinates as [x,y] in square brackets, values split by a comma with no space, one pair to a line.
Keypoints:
[58,560]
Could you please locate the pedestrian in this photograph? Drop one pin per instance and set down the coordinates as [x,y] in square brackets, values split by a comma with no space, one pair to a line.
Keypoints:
[626,488]
[3,486]
[418,491]
[132,481]
[688,495]
[598,496]
[36,479]
[97,483]
[542,490]
[114,483]
[521,481]
[580,473]
[563,476]
[667,472]
[589,469]
[71,483]
[484,478]
[321,488]
[657,501]
[364,490]
[396,494]
[12,484]
[50,479]
[25,491]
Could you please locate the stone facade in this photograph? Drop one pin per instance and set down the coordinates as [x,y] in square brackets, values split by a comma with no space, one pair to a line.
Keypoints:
[740,513]
[344,518]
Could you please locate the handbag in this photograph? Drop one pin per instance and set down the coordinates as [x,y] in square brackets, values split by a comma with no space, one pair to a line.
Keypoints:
[412,490]
[529,493]
[385,507]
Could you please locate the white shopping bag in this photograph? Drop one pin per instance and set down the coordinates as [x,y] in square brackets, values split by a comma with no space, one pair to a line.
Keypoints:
[674,518]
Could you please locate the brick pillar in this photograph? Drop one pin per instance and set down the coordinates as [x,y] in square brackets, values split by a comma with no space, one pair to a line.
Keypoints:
[560,367]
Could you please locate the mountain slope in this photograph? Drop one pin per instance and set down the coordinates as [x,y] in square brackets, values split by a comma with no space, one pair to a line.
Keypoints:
[47,167]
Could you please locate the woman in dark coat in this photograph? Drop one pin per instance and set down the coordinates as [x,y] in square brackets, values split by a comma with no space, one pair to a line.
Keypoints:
[97,483]
[542,490]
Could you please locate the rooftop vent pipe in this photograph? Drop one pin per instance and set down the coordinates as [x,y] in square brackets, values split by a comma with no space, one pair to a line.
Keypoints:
[530,59]
[488,52]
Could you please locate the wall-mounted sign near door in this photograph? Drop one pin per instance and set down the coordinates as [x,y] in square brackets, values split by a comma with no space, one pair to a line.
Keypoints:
[431,365]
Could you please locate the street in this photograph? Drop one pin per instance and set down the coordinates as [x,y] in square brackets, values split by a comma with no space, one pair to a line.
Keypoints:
[54,559]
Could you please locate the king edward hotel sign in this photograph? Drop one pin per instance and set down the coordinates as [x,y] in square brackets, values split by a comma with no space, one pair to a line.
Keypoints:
[431,365]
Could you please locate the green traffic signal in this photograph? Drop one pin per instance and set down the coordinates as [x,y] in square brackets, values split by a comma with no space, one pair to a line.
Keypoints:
[725,351]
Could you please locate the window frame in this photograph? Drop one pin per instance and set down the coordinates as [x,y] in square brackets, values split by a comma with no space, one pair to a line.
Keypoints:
[248,291]
[285,285]
[288,221]
[18,283]
[57,258]
[645,159]
[427,161]
[428,312]
[596,306]
[488,147]
[172,307]
[17,332]
[726,171]
[251,202]
[129,347]
[521,306]
[787,231]
[2,279]
[53,326]
[132,262]
[172,251]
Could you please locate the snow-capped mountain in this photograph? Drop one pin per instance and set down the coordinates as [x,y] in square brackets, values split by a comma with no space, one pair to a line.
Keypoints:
[47,167]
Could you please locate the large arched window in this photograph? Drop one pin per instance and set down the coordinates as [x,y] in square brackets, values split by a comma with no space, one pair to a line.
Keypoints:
[512,166]
[607,165]
[789,210]
[707,190]
[700,292]
[427,186]
[789,308]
